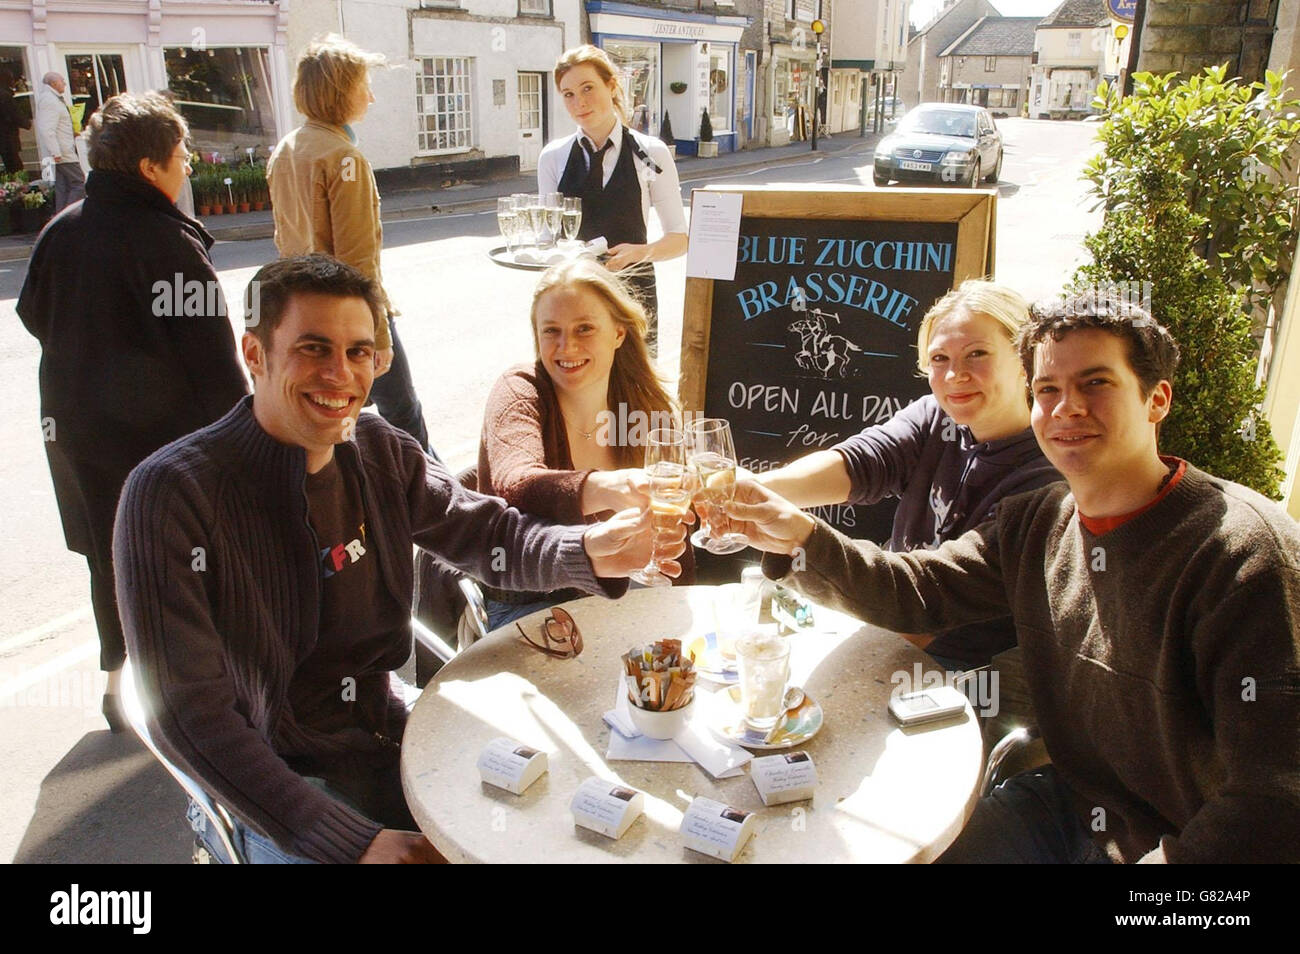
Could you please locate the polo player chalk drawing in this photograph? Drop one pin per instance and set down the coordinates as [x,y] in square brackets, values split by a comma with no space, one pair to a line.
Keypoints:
[819,350]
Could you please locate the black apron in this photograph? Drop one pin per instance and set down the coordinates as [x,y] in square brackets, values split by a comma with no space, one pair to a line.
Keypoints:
[614,211]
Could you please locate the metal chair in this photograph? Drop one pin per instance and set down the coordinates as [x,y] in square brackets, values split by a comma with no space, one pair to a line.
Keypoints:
[1010,743]
[476,614]
[134,706]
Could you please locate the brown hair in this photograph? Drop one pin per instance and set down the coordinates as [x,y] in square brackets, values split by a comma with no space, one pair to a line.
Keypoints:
[329,71]
[599,60]
[632,380]
[1152,350]
[128,128]
[271,289]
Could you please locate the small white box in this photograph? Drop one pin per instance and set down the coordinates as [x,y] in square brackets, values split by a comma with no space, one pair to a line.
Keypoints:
[511,765]
[789,777]
[715,829]
[606,807]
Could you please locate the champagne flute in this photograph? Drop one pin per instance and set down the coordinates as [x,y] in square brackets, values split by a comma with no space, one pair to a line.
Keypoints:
[537,216]
[713,459]
[506,220]
[554,205]
[670,499]
[572,217]
[523,221]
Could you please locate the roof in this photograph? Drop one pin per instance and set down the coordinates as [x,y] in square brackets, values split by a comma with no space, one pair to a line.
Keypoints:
[934,20]
[996,36]
[1078,13]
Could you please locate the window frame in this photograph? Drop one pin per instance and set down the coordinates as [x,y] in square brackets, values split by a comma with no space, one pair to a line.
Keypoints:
[423,136]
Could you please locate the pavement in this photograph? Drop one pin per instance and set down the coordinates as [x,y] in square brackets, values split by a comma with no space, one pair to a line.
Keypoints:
[480,196]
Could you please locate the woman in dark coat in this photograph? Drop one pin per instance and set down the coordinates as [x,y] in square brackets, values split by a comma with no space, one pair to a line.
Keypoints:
[136,346]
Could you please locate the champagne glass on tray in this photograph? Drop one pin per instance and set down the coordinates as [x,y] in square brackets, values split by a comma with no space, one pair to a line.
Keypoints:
[670,497]
[572,216]
[712,458]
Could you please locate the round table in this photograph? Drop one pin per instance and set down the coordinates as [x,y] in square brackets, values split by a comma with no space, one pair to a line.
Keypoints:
[884,794]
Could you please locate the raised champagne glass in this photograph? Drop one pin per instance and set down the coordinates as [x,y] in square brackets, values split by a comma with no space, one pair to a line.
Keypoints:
[712,457]
[670,497]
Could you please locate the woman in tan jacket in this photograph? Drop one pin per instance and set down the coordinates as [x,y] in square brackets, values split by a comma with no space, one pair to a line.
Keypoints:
[324,199]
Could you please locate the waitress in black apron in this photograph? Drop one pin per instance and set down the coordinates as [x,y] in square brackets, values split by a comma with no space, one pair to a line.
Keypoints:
[617,172]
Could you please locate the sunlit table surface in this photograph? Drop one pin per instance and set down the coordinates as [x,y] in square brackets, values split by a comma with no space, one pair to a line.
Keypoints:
[884,794]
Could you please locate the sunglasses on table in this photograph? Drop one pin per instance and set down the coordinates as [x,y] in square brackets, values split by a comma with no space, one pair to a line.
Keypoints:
[561,637]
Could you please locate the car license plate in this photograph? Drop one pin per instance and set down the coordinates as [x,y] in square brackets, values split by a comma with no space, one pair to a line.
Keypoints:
[914,166]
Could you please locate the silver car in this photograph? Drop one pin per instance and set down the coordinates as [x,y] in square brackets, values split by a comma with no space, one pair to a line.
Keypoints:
[941,143]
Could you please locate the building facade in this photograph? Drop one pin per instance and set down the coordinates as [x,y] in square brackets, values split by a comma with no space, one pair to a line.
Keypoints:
[990,65]
[870,54]
[226,61]
[1075,48]
[920,78]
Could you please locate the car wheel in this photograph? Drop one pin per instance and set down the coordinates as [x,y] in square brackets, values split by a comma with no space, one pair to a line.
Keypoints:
[975,176]
[997,170]
[878,179]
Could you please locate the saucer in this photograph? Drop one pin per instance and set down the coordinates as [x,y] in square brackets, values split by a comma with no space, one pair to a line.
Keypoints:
[800,724]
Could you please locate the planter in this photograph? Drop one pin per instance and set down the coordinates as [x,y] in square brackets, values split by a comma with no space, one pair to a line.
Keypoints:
[6,226]
[244,207]
[230,208]
[708,150]
[677,87]
[205,210]
[259,206]
[30,220]
[218,209]
[672,150]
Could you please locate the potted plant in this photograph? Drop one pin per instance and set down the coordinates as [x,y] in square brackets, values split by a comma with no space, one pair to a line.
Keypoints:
[202,183]
[708,149]
[678,87]
[34,210]
[244,197]
[228,192]
[666,134]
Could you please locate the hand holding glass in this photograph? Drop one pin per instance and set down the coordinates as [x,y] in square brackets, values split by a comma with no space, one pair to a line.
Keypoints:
[670,498]
[713,459]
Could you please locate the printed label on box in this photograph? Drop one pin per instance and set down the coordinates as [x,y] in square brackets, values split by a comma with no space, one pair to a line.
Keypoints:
[789,777]
[511,765]
[715,829]
[606,807]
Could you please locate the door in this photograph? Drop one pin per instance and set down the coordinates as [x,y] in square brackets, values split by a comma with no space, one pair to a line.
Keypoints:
[532,119]
[94,78]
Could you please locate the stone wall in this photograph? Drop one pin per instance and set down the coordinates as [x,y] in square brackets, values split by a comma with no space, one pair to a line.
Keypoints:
[1185,36]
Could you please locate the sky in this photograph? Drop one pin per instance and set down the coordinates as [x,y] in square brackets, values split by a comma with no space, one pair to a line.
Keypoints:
[923,10]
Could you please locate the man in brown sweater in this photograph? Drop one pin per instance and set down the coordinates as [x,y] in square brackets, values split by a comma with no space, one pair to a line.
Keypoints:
[1156,607]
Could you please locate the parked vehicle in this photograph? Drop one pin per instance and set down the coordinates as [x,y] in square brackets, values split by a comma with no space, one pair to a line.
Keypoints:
[941,143]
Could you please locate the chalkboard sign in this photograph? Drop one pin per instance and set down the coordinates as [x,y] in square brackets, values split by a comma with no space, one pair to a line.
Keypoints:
[815,338]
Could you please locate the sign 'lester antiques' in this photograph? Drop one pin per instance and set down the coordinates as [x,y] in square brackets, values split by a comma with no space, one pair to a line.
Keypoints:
[815,338]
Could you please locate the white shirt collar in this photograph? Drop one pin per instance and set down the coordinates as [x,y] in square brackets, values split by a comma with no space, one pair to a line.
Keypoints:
[615,141]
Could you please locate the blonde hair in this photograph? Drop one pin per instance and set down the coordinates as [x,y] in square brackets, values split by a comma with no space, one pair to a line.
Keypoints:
[598,60]
[975,296]
[632,380]
[329,71]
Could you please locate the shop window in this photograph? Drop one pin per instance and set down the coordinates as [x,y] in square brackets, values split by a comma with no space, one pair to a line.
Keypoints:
[720,89]
[990,64]
[443,104]
[225,96]
[638,71]
[1073,44]
[94,78]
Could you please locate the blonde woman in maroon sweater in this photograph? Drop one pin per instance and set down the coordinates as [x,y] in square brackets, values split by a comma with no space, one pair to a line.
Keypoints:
[564,437]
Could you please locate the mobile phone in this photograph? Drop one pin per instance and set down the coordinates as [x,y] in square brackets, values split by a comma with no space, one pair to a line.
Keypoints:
[927,705]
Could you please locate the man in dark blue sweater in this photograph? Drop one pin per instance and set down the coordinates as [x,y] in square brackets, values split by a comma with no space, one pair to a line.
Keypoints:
[265,577]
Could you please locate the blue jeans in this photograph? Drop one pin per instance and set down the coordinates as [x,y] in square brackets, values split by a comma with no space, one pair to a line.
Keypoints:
[256,847]
[394,396]
[1028,819]
[499,614]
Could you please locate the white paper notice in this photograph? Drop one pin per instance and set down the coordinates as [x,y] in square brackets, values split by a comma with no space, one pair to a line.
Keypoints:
[715,235]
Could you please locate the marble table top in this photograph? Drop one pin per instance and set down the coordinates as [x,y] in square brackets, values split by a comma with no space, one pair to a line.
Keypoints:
[885,793]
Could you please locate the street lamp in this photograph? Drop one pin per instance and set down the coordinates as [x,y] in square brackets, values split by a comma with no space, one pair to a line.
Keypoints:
[818,28]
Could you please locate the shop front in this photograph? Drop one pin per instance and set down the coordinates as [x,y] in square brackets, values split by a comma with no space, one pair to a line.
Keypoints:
[224,63]
[793,81]
[674,63]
